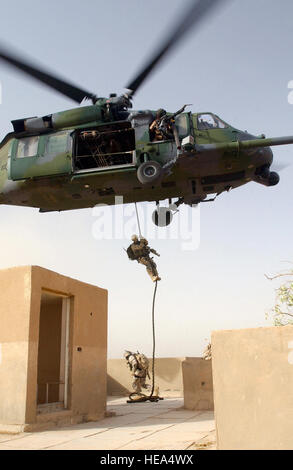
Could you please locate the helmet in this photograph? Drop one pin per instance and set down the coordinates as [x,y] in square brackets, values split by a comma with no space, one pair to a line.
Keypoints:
[144,240]
[134,238]
[161,112]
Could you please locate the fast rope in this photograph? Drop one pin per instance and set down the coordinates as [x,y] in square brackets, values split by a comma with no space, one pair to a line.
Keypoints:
[137,218]
[142,396]
[154,340]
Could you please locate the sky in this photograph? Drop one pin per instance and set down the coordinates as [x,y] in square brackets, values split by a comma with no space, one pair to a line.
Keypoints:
[237,65]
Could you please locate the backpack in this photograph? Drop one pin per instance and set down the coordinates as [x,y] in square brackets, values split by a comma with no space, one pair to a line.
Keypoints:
[143,361]
[130,253]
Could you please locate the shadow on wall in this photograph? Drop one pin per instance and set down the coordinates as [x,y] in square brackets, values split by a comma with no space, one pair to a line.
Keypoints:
[115,388]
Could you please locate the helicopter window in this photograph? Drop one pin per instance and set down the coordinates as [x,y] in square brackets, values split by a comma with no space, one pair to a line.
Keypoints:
[209,121]
[27,147]
[181,123]
[57,143]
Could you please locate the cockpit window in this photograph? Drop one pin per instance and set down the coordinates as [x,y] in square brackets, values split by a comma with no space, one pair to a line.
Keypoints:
[209,121]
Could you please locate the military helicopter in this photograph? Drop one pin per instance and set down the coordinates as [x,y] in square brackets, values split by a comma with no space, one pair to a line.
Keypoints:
[90,154]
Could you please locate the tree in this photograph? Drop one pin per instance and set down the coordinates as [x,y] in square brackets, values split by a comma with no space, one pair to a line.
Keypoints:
[282,312]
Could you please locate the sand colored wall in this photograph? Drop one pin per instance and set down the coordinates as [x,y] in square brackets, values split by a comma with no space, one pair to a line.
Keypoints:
[253,383]
[197,384]
[88,320]
[20,300]
[14,331]
[168,376]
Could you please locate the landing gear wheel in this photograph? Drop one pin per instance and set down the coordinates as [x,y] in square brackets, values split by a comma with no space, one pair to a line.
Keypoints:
[149,172]
[274,178]
[162,216]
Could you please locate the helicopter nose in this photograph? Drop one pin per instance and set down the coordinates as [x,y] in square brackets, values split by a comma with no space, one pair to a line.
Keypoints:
[269,154]
[264,156]
[263,159]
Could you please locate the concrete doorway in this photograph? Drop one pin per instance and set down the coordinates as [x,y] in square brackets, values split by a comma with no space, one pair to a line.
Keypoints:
[53,352]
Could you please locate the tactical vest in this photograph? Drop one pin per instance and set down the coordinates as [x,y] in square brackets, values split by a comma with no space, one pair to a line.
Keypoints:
[143,361]
[139,250]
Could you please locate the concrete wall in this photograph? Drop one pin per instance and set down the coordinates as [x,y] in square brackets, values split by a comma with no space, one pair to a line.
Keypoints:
[20,299]
[176,376]
[197,384]
[14,332]
[253,383]
[168,376]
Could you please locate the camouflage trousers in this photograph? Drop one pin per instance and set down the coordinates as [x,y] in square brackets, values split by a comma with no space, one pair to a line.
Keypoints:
[139,383]
[150,265]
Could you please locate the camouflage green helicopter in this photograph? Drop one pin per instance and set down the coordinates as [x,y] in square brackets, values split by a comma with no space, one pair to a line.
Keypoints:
[90,154]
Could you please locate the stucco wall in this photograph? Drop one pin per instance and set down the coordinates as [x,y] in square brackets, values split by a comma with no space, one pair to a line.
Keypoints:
[88,319]
[20,299]
[14,331]
[197,384]
[253,383]
[168,376]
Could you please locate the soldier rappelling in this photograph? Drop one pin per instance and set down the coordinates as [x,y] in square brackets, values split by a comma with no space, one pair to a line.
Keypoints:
[139,250]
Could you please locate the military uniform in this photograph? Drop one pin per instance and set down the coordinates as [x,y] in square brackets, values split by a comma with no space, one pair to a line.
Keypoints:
[140,251]
[139,367]
[207,354]
[159,128]
[162,127]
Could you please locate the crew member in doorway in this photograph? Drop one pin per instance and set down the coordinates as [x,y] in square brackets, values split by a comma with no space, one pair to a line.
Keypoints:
[139,250]
[162,127]
[159,128]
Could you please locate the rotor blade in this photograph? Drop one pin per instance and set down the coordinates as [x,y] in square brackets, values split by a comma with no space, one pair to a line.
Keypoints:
[198,10]
[66,88]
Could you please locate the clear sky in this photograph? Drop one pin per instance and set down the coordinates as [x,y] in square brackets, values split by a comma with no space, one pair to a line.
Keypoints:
[238,66]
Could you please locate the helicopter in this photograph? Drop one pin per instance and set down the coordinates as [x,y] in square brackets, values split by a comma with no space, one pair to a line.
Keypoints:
[89,155]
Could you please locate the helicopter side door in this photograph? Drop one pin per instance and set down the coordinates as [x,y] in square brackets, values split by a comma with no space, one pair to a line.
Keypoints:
[162,151]
[167,149]
[105,147]
[41,155]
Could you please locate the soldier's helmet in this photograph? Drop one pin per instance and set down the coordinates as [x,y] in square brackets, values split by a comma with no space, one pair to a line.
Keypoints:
[144,241]
[134,238]
[161,112]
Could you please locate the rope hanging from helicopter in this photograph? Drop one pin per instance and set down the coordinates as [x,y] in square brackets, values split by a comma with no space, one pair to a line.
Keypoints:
[143,397]
[151,397]
[137,219]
